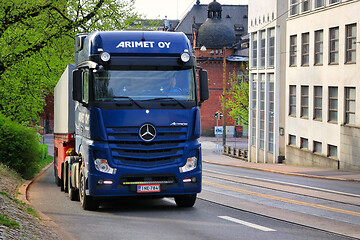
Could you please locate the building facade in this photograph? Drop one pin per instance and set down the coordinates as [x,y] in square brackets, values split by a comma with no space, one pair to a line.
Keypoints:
[322,84]
[267,27]
[311,82]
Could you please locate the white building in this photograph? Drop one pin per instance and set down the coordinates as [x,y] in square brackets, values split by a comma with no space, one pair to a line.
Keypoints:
[323,83]
[267,24]
[315,75]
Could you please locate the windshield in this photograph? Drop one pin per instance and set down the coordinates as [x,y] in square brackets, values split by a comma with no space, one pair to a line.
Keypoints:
[116,85]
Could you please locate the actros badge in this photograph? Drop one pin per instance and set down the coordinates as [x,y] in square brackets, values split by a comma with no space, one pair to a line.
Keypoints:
[147,132]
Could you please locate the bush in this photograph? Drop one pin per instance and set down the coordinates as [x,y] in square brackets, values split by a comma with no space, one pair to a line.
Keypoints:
[19,148]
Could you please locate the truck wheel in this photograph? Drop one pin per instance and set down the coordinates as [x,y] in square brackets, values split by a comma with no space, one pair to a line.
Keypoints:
[62,178]
[57,179]
[187,200]
[73,193]
[87,202]
[65,178]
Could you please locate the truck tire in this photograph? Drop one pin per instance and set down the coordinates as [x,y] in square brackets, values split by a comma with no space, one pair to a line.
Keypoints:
[57,179]
[87,202]
[187,200]
[73,193]
[65,178]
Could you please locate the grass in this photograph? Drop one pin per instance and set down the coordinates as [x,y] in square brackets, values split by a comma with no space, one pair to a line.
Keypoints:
[7,222]
[32,212]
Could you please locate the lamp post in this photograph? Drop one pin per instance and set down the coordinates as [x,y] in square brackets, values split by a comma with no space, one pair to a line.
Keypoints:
[224,96]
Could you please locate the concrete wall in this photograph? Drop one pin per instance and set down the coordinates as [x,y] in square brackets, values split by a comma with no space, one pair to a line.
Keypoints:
[350,147]
[302,157]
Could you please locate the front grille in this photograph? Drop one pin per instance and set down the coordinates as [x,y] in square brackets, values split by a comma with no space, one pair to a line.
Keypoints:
[131,181]
[128,148]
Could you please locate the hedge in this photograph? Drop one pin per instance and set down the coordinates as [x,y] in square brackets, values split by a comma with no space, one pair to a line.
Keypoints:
[20,148]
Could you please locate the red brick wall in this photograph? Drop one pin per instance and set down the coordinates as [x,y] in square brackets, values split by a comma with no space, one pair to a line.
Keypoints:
[213,104]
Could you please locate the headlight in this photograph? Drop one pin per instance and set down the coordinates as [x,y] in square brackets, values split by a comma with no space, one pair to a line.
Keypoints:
[105,56]
[102,166]
[191,164]
[185,57]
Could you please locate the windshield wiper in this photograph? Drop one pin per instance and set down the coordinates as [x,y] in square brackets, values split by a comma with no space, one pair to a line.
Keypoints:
[131,100]
[165,98]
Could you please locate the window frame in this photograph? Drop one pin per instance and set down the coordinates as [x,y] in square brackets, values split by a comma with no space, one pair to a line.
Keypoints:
[319,47]
[293,51]
[348,45]
[334,46]
[292,105]
[304,103]
[331,99]
[348,100]
[318,108]
[305,51]
[315,144]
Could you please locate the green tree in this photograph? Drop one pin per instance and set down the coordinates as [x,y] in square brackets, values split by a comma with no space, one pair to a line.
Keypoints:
[37,41]
[237,97]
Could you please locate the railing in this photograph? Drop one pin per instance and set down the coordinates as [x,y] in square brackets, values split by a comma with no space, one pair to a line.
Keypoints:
[236,152]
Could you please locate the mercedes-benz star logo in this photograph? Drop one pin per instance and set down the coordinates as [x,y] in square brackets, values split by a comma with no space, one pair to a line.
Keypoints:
[147,132]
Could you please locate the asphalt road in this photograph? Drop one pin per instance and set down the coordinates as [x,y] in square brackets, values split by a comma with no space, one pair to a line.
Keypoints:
[234,204]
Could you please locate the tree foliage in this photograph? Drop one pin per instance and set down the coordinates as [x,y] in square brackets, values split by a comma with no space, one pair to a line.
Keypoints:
[37,41]
[237,97]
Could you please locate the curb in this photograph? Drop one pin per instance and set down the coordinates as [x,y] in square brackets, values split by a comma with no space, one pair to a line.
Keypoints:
[24,197]
[285,173]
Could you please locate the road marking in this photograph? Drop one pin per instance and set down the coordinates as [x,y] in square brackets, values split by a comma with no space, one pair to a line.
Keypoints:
[287,183]
[248,224]
[318,206]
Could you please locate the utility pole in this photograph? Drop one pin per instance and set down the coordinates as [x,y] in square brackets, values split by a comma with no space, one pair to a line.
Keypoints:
[224,96]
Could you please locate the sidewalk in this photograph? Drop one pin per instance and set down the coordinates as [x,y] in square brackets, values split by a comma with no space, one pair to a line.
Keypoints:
[330,174]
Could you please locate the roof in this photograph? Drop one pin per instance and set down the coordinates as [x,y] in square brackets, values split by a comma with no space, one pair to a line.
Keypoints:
[231,15]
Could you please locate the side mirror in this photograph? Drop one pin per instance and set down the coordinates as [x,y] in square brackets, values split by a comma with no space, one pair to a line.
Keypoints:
[204,89]
[77,85]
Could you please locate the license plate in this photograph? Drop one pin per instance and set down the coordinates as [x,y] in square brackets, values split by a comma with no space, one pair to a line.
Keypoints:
[146,188]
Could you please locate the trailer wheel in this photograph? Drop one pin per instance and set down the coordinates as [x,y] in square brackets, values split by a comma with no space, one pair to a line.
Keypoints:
[187,200]
[57,179]
[73,193]
[65,178]
[87,202]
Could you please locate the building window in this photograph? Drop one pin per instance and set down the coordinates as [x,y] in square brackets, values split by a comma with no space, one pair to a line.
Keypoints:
[350,105]
[350,43]
[292,140]
[333,1]
[332,151]
[305,49]
[304,101]
[292,100]
[293,50]
[271,113]
[253,123]
[317,147]
[305,5]
[294,7]
[254,50]
[262,111]
[333,104]
[262,48]
[334,45]
[304,143]
[319,3]
[271,48]
[318,103]
[319,44]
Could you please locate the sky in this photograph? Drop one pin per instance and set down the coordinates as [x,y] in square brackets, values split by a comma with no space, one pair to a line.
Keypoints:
[173,9]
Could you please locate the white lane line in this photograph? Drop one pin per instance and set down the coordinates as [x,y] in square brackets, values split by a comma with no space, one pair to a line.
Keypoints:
[248,224]
[287,183]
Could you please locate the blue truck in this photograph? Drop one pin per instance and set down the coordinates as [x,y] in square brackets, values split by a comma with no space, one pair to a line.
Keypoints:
[127,118]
